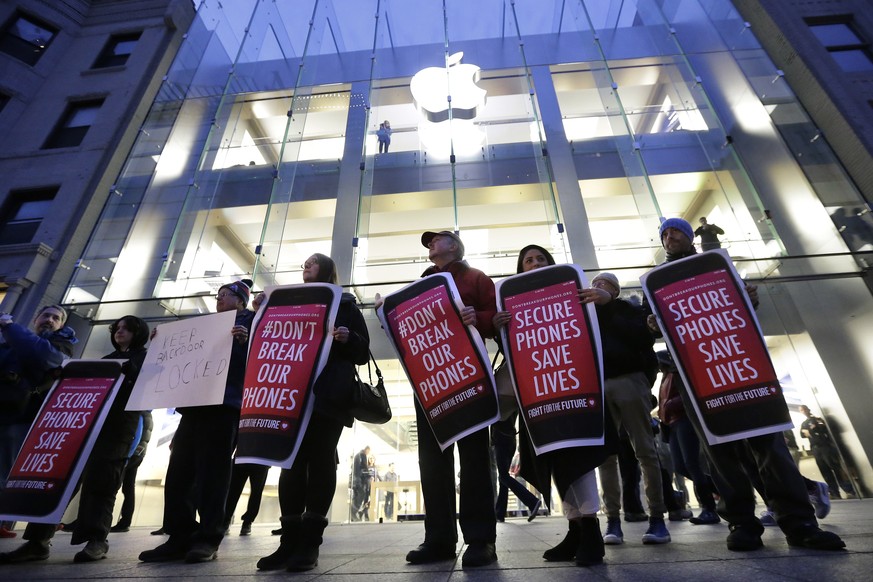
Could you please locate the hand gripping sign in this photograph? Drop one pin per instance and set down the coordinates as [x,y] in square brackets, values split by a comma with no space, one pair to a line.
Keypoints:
[445,361]
[56,448]
[552,345]
[711,329]
[289,347]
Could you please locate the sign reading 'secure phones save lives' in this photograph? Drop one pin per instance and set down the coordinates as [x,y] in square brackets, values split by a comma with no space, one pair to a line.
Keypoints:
[186,364]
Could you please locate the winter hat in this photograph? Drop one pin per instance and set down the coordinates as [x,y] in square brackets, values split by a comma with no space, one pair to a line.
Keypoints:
[241,288]
[679,224]
[609,278]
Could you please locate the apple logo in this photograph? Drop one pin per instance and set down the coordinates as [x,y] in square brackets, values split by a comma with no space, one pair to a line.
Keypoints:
[435,88]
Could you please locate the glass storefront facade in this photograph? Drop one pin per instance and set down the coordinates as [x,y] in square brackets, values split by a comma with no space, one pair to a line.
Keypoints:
[598,119]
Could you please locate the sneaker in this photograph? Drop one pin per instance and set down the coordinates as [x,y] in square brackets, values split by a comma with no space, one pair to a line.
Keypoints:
[657,532]
[479,554]
[92,552]
[246,528]
[30,551]
[201,552]
[820,499]
[744,538]
[613,535]
[814,538]
[635,516]
[6,533]
[534,511]
[768,518]
[680,514]
[431,552]
[120,528]
[706,517]
[168,551]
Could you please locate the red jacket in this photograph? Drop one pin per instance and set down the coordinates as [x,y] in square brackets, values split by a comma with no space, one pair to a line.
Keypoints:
[477,291]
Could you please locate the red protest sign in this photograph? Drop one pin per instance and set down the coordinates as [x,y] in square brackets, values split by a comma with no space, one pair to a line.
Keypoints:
[445,361]
[57,446]
[713,334]
[553,350]
[289,347]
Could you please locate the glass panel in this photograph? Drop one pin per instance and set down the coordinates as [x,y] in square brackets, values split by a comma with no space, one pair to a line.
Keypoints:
[32,32]
[840,34]
[853,61]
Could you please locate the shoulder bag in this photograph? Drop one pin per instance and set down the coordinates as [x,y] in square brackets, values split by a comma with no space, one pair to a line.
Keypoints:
[370,403]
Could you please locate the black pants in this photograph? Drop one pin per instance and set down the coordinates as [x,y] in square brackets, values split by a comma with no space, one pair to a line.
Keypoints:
[128,490]
[310,483]
[476,516]
[198,475]
[256,475]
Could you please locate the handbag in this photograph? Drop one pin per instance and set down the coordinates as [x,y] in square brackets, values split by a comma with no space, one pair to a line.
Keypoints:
[370,403]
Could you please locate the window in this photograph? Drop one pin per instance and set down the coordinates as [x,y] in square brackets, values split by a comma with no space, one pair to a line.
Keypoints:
[23,214]
[117,50]
[75,123]
[843,42]
[26,38]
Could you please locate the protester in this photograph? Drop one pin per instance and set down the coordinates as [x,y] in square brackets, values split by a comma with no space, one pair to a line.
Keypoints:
[476,492]
[571,468]
[306,489]
[198,474]
[102,475]
[28,359]
[786,492]
[128,484]
[708,234]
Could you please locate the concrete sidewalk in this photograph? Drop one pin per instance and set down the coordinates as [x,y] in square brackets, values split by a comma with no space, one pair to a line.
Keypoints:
[363,551]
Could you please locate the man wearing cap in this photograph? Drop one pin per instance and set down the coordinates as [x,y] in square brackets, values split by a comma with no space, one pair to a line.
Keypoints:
[476,515]
[198,474]
[787,493]
[629,369]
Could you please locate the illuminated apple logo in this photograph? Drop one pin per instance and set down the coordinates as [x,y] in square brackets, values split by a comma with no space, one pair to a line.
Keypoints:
[434,86]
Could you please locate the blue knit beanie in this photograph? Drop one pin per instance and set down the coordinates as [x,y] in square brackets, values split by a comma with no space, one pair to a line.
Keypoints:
[679,224]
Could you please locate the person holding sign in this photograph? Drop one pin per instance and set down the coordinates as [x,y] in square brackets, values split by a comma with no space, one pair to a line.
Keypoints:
[198,474]
[27,358]
[572,468]
[102,476]
[306,489]
[785,488]
[476,516]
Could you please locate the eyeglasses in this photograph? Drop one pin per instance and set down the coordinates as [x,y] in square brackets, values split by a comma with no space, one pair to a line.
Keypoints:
[221,296]
[308,264]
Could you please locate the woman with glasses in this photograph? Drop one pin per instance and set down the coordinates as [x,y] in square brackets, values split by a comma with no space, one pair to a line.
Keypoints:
[306,489]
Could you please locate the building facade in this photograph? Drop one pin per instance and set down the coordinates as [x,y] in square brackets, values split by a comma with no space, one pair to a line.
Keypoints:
[577,125]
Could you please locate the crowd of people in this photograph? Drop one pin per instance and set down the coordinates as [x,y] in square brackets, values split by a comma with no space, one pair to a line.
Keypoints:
[203,484]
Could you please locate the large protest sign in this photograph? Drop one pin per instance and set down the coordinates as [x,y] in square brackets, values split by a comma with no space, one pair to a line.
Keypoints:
[289,347]
[59,442]
[552,345]
[712,331]
[186,364]
[445,361]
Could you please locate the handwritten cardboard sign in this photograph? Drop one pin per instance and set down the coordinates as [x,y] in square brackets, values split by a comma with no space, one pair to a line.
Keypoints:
[57,446]
[186,364]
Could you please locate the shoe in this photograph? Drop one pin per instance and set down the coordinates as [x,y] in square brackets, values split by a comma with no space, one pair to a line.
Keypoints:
[820,499]
[680,514]
[159,532]
[657,532]
[479,554]
[92,552]
[430,552]
[276,532]
[814,538]
[6,533]
[613,535]
[706,517]
[566,549]
[744,538]
[166,552]
[768,519]
[635,516]
[119,528]
[30,551]
[246,528]
[535,510]
[201,552]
